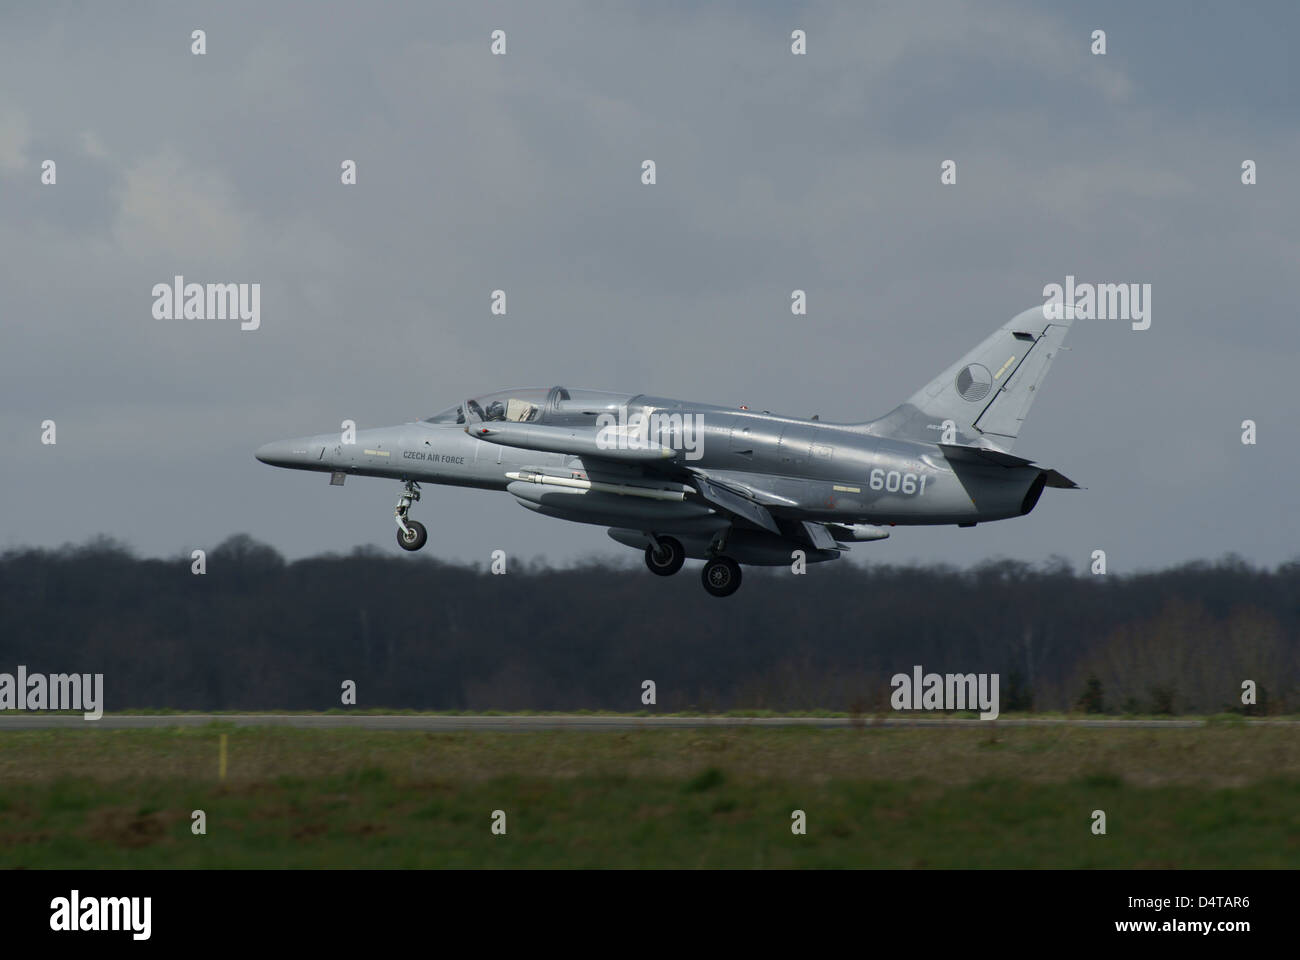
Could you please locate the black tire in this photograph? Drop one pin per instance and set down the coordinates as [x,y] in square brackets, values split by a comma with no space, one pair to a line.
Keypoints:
[721,576]
[667,562]
[419,536]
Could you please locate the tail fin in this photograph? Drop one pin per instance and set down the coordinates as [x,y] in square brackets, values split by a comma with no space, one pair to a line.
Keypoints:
[987,393]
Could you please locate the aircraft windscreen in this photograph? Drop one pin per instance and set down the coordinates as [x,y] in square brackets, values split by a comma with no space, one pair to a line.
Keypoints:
[557,405]
[454,414]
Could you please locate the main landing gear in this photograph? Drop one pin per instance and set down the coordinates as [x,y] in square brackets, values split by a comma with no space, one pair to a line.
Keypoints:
[721,576]
[665,556]
[411,534]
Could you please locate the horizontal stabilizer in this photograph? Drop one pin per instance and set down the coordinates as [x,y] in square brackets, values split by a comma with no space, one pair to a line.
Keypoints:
[956,451]
[1055,479]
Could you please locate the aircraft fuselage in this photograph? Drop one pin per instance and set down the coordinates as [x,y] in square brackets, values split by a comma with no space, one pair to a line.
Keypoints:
[724,484]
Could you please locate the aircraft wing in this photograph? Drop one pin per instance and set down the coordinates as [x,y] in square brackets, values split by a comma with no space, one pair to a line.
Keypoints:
[735,503]
[584,443]
[739,498]
[820,537]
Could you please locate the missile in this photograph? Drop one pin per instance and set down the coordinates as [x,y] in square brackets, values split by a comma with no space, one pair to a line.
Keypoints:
[676,492]
[846,532]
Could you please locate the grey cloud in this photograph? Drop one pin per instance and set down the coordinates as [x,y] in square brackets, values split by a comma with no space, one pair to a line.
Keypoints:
[522,172]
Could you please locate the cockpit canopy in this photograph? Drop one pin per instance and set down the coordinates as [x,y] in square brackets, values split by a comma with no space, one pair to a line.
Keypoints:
[556,406]
[515,406]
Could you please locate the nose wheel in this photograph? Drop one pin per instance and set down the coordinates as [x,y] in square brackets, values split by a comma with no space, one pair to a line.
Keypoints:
[413,537]
[411,534]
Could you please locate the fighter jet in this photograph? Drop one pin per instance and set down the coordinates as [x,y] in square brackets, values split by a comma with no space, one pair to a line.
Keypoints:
[726,485]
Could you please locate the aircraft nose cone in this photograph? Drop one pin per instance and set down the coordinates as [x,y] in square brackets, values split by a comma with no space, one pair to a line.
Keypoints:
[298,453]
[278,453]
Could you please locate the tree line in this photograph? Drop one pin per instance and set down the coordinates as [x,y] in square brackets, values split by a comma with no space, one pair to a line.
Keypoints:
[256,632]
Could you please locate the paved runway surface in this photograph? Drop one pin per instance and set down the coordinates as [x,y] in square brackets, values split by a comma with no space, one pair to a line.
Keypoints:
[445,724]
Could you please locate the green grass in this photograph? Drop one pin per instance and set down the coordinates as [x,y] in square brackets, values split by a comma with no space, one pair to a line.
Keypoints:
[409,712]
[691,712]
[1221,796]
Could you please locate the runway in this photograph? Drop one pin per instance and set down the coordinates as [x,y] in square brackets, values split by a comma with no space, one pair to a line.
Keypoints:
[524,723]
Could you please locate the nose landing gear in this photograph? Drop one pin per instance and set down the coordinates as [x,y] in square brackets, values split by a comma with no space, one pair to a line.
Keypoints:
[411,534]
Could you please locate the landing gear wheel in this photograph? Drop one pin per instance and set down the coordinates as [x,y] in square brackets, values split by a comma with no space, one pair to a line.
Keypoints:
[411,534]
[721,576]
[413,537]
[668,559]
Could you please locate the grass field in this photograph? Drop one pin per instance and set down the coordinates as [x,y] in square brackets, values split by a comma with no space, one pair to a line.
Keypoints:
[1225,795]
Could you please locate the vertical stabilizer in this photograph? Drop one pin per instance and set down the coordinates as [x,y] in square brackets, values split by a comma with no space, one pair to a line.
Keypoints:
[983,398]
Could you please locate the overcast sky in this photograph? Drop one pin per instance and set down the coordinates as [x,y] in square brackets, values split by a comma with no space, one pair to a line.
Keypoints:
[523,172]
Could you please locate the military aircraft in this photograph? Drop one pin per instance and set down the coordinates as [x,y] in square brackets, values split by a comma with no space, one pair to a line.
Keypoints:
[727,485]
